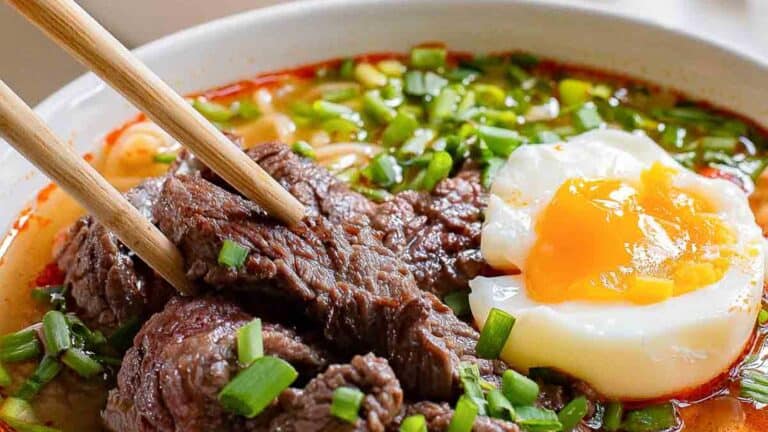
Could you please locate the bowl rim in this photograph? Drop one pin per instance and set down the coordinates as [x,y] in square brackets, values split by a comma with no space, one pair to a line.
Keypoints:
[147,51]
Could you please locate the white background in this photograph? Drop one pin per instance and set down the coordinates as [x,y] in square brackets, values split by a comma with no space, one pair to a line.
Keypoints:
[35,67]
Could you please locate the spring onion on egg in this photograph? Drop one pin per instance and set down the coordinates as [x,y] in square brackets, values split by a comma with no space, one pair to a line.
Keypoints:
[346,402]
[494,335]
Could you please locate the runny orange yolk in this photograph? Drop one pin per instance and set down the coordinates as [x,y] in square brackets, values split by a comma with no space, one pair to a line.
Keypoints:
[606,240]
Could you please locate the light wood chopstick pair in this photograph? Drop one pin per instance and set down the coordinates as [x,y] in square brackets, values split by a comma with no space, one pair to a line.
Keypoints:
[72,28]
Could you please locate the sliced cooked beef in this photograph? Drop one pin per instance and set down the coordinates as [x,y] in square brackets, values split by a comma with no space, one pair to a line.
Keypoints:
[439,416]
[308,410]
[437,234]
[364,296]
[108,283]
[182,358]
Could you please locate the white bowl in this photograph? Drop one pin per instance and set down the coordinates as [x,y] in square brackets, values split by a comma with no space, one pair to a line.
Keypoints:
[296,33]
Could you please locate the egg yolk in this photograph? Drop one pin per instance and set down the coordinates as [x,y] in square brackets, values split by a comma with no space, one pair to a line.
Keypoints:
[607,240]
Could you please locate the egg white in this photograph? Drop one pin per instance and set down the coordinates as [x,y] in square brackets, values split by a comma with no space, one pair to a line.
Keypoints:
[623,350]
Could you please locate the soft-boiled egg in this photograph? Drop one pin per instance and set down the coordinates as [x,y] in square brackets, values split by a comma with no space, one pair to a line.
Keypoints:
[623,268]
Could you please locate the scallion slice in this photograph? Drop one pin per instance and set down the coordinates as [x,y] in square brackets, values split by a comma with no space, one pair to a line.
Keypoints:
[762,317]
[433,83]
[254,388]
[374,105]
[492,166]
[52,294]
[499,406]
[46,371]
[443,106]
[614,412]
[439,167]
[428,57]
[324,110]
[17,409]
[369,76]
[303,148]
[82,363]
[538,419]
[5,377]
[347,68]
[246,109]
[383,170]
[587,118]
[345,403]
[650,419]
[414,83]
[459,302]
[463,416]
[469,375]
[754,385]
[56,334]
[165,158]
[518,388]
[502,142]
[494,335]
[232,254]
[414,423]
[212,111]
[573,413]
[574,92]
[341,94]
[20,346]
[399,129]
[249,342]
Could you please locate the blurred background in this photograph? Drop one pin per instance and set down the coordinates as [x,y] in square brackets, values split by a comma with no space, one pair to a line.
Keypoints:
[35,67]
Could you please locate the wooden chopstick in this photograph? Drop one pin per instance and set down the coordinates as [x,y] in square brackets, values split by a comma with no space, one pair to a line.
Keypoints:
[28,134]
[72,27]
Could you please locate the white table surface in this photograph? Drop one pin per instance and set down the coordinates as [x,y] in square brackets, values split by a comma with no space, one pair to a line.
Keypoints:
[34,67]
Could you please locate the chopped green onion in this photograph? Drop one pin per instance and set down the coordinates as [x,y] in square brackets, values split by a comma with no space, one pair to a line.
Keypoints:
[341,126]
[469,375]
[686,114]
[53,294]
[602,91]
[524,59]
[574,92]
[518,388]
[392,67]
[502,142]
[573,413]
[762,317]
[22,426]
[428,57]
[377,195]
[56,334]
[754,385]
[384,170]
[443,106]
[490,95]
[17,409]
[463,416]
[5,377]
[459,302]
[374,105]
[20,346]
[494,335]
[246,109]
[587,118]
[46,371]
[232,254]
[492,166]
[249,342]
[650,419]
[304,149]
[673,136]
[414,83]
[82,336]
[345,403]
[433,83]
[537,419]
[254,388]
[399,129]
[628,118]
[212,111]
[719,144]
[325,110]
[165,158]
[462,75]
[347,68]
[414,423]
[416,145]
[499,406]
[367,75]
[519,76]
[613,415]
[122,338]
[545,137]
[80,362]
[341,94]
[438,169]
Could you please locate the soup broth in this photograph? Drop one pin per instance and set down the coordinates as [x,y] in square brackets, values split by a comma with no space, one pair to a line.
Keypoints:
[386,123]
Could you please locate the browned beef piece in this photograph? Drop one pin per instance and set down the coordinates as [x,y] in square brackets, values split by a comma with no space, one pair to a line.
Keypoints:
[181,359]
[362,295]
[437,234]
[438,416]
[308,410]
[108,283]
